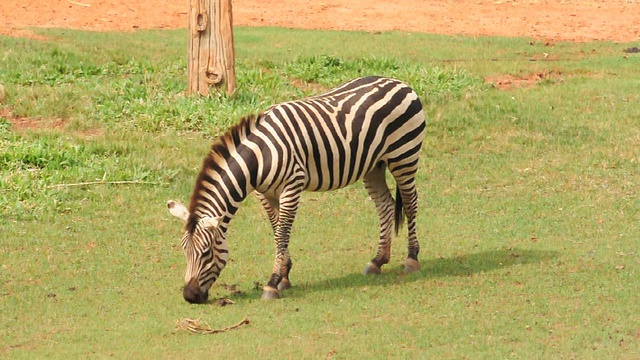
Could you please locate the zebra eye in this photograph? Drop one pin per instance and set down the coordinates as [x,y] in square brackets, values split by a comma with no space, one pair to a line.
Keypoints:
[206,253]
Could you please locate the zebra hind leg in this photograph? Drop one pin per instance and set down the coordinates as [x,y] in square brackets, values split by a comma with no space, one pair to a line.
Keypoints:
[405,180]
[378,190]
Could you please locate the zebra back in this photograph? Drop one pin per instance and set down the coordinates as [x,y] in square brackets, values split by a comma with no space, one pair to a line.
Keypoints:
[327,141]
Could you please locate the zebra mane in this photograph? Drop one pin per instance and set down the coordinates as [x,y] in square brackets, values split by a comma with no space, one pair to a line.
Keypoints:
[234,135]
[219,150]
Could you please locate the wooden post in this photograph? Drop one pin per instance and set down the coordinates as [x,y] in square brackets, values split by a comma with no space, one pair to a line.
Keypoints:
[211,54]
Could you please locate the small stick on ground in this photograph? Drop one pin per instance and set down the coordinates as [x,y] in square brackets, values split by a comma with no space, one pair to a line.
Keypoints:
[122,182]
[195,327]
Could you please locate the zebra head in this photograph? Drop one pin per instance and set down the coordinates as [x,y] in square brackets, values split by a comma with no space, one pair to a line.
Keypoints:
[206,250]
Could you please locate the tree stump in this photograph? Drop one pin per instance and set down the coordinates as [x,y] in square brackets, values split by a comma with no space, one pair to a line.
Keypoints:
[211,60]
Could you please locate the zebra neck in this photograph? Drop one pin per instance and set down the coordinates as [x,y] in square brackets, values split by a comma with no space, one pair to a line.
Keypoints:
[226,179]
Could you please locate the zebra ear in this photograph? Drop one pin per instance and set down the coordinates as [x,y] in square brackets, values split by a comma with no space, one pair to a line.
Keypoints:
[209,223]
[178,210]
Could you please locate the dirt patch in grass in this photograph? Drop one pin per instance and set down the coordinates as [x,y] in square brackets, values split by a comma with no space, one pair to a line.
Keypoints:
[510,82]
[310,87]
[25,124]
[20,123]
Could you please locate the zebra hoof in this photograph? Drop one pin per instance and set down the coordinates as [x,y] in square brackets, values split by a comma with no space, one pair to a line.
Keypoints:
[371,269]
[284,285]
[269,293]
[411,265]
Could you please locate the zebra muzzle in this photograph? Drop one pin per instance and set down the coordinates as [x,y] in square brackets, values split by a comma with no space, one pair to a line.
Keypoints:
[193,294]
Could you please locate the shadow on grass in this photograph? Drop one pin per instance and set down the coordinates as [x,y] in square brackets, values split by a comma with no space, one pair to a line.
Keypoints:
[462,265]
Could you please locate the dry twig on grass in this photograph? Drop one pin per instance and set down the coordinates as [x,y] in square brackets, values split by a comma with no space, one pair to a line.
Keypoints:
[101,182]
[195,327]
[224,302]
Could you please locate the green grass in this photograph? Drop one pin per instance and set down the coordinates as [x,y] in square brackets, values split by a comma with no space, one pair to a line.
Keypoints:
[528,219]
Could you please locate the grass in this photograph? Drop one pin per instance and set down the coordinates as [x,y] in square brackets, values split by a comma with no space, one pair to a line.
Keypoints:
[528,218]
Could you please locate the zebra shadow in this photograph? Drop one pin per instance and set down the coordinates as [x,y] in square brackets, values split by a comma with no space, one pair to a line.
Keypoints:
[457,266]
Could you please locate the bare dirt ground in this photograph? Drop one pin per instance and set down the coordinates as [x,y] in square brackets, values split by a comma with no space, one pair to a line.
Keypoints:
[551,20]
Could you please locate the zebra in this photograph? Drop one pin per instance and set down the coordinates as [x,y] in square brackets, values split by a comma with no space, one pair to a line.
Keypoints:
[355,131]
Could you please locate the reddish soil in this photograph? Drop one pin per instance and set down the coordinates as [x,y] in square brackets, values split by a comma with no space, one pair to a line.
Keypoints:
[552,20]
[508,82]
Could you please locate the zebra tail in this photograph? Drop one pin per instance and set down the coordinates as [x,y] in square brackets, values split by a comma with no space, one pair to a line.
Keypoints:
[399,213]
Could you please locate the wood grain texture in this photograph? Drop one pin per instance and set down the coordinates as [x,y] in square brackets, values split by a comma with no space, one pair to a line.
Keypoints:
[211,57]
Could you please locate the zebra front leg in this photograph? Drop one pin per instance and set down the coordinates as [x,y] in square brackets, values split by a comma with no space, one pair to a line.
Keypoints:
[272,207]
[376,186]
[279,279]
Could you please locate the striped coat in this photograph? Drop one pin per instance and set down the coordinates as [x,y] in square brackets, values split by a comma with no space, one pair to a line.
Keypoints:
[356,131]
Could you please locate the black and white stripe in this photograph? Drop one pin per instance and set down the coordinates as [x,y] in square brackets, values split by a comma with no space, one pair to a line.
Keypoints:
[325,142]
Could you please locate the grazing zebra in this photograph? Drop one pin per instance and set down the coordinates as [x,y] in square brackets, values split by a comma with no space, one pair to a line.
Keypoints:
[325,142]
